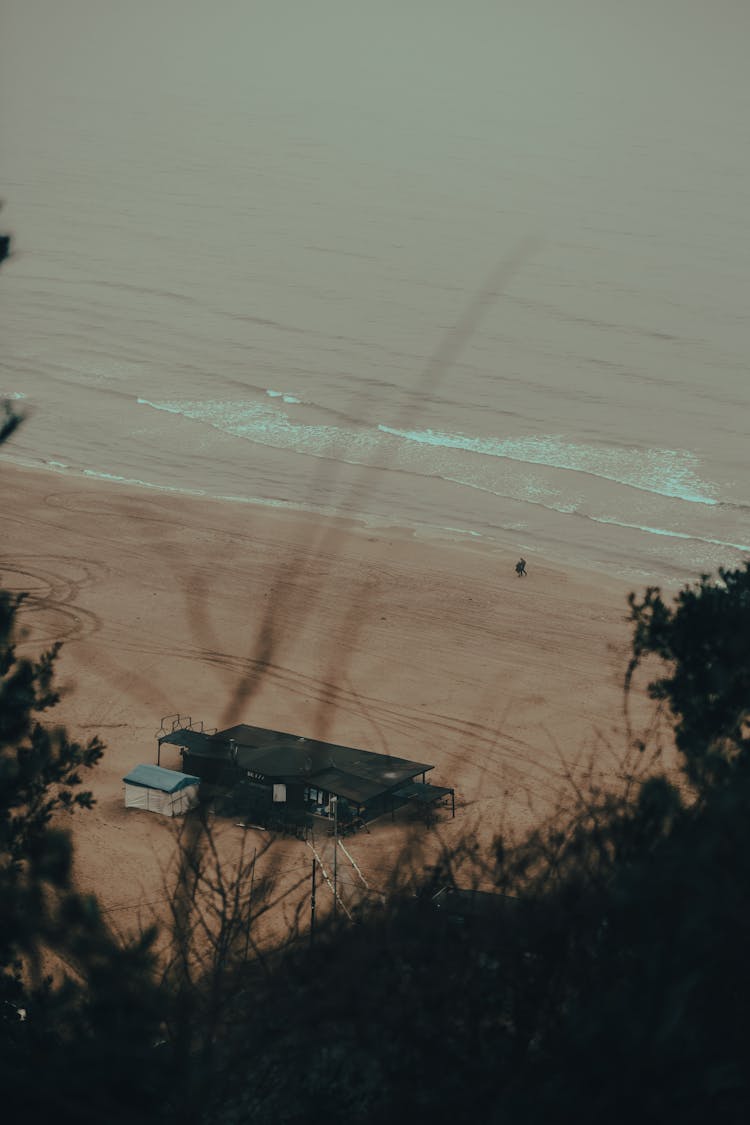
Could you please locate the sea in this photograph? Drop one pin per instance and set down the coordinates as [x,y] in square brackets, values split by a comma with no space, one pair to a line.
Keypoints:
[476,271]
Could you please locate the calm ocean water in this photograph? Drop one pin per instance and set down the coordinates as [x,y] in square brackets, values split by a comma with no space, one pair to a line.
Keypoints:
[523,321]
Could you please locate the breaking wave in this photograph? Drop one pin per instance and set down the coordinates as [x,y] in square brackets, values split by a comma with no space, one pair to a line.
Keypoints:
[666,472]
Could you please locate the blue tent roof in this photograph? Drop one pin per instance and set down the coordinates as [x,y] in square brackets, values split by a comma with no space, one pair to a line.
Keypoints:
[156,777]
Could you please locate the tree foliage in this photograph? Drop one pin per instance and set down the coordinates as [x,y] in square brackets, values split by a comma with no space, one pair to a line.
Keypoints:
[704,642]
[77,1004]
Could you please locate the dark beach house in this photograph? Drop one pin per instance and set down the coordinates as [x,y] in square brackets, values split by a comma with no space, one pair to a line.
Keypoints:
[285,780]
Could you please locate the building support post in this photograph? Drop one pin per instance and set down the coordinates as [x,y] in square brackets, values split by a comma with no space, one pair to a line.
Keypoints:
[312,905]
[250,903]
[335,854]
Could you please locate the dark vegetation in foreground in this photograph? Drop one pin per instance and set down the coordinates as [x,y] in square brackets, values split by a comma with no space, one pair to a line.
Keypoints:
[606,977]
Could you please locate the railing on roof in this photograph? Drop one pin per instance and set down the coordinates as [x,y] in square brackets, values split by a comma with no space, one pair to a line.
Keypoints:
[181,722]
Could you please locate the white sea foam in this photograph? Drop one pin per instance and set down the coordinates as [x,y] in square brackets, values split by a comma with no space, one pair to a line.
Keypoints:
[664,472]
[267,424]
[462,531]
[533,497]
[667,472]
[666,475]
[660,472]
[115,478]
[291,399]
[672,534]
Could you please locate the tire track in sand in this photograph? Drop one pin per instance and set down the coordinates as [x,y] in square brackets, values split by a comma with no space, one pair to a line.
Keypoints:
[51,585]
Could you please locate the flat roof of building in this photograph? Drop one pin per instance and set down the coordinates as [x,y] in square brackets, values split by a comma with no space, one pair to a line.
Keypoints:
[358,775]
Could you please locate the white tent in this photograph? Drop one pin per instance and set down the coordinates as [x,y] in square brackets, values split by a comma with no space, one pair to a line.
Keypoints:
[159,790]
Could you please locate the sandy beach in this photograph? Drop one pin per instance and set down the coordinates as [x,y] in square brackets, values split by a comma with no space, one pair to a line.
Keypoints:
[227,613]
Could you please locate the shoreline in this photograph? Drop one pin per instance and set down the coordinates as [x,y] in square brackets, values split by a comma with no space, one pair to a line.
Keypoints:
[603,557]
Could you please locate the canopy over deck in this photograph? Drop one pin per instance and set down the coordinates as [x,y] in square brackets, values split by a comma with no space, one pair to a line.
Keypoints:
[423,791]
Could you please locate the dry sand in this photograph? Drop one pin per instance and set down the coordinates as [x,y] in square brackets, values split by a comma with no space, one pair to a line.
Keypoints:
[229,613]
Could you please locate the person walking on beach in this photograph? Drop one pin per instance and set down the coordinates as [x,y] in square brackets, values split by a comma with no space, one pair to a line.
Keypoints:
[521,568]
